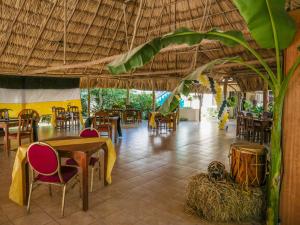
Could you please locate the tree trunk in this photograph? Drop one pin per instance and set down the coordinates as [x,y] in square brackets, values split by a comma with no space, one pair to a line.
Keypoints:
[274,180]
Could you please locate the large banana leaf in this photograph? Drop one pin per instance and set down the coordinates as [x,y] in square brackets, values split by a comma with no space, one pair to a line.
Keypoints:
[135,58]
[260,18]
[186,84]
[144,53]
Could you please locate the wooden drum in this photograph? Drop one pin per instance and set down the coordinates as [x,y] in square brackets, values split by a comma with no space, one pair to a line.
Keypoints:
[248,163]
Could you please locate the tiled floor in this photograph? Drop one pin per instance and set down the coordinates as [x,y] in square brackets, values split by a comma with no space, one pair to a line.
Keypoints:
[149,180]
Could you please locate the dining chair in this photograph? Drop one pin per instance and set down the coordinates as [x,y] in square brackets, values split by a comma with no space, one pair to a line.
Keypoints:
[46,169]
[94,161]
[62,117]
[4,114]
[102,124]
[75,114]
[25,127]
[130,116]
[249,126]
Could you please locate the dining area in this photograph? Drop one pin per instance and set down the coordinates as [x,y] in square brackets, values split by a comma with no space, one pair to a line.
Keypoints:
[253,128]
[83,158]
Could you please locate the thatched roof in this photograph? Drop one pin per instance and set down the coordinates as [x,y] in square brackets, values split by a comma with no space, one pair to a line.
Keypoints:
[32,38]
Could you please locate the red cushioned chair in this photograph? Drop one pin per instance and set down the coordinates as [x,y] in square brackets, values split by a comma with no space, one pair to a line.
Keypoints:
[46,169]
[94,161]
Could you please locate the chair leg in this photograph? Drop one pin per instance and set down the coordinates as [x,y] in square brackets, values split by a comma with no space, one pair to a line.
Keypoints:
[99,169]
[63,200]
[92,179]
[29,197]
[50,190]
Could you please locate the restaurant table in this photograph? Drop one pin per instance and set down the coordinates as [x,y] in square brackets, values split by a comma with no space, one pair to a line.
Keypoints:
[116,124]
[80,149]
[6,124]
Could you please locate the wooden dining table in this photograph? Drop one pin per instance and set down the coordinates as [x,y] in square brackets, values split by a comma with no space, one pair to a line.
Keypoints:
[5,125]
[81,153]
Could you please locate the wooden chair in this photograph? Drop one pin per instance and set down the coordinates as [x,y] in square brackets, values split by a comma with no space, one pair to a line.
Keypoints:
[4,114]
[139,116]
[102,123]
[249,124]
[75,115]
[240,125]
[62,118]
[162,122]
[129,116]
[25,127]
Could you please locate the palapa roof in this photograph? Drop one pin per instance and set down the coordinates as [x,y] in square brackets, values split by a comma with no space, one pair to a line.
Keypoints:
[38,38]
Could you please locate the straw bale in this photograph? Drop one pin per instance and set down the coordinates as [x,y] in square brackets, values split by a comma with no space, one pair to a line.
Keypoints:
[224,201]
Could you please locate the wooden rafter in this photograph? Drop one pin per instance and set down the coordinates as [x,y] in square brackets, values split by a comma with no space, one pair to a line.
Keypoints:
[113,39]
[67,24]
[11,26]
[101,33]
[42,28]
[88,29]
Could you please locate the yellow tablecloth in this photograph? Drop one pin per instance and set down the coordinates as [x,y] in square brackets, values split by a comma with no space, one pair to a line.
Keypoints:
[16,191]
[152,122]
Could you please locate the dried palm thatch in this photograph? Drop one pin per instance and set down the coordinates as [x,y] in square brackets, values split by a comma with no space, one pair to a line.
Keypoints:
[77,38]
[224,201]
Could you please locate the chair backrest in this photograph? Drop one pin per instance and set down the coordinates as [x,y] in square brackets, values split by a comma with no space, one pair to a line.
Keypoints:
[101,117]
[89,132]
[60,111]
[29,113]
[25,120]
[43,159]
[4,114]
[73,109]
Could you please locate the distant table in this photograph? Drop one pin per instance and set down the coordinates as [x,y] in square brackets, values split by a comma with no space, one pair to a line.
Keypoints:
[6,124]
[116,124]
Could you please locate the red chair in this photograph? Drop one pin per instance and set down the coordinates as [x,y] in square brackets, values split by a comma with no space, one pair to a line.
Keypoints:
[94,161]
[46,169]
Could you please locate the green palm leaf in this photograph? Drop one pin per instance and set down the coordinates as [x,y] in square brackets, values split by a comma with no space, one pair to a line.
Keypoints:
[264,17]
[144,53]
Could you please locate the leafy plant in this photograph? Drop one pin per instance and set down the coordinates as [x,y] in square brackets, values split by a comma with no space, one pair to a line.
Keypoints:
[271,27]
[248,105]
[232,101]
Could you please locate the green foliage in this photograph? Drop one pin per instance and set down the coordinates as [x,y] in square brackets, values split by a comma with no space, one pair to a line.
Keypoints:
[261,15]
[258,110]
[248,105]
[102,98]
[232,101]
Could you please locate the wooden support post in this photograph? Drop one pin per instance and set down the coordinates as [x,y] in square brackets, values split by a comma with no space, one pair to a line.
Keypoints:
[290,188]
[128,96]
[89,99]
[225,88]
[265,97]
[153,100]
[153,97]
[200,106]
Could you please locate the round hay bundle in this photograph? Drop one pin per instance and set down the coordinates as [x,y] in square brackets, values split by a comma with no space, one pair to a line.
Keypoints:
[224,201]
